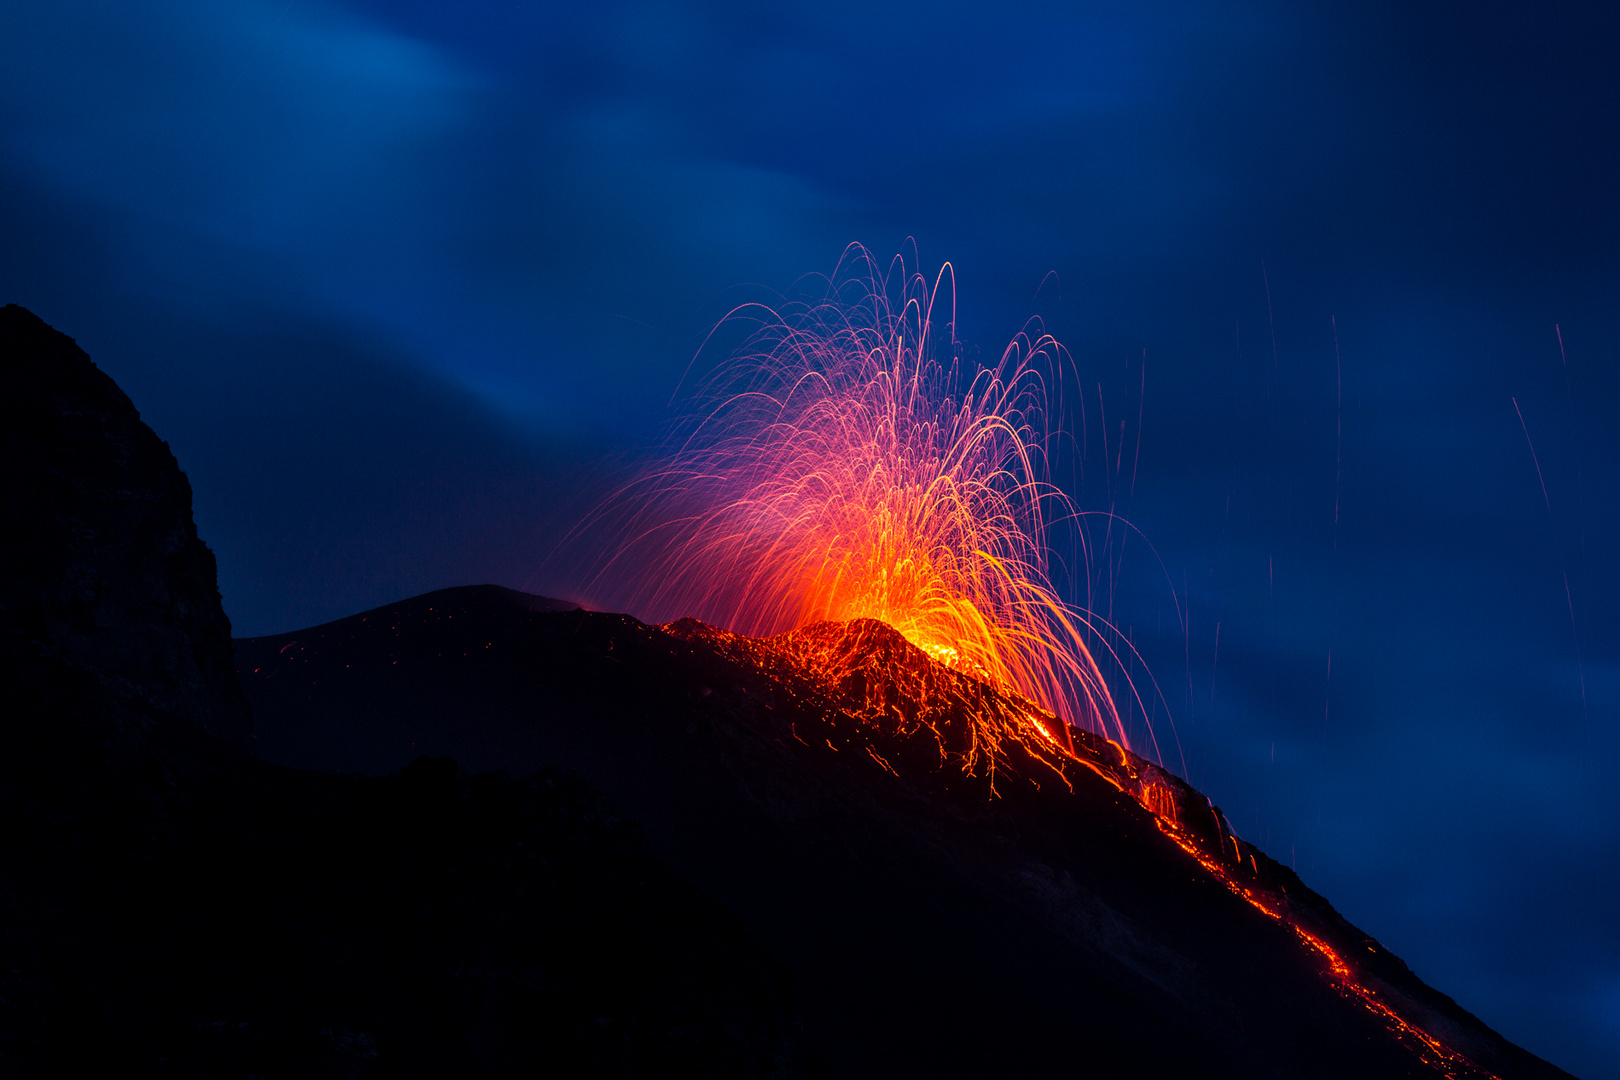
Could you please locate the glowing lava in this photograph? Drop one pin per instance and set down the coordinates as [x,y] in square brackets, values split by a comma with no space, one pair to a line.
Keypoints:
[859,688]
[847,490]
[844,464]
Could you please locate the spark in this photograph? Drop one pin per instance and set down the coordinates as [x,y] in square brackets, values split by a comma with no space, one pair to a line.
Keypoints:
[856,515]
[1534,460]
[845,463]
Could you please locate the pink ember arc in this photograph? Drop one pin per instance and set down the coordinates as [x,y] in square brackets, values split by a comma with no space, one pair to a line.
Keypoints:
[843,464]
[870,521]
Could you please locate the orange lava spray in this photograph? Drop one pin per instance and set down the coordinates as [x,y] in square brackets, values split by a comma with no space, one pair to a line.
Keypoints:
[844,463]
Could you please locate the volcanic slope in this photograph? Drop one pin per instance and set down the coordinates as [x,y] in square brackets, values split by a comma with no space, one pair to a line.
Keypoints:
[946,907]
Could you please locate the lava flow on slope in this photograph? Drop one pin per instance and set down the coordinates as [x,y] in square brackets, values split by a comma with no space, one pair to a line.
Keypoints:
[873,523]
[917,717]
[845,463]
[949,904]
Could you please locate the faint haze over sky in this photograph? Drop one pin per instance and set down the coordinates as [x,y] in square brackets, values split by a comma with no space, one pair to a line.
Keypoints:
[404,282]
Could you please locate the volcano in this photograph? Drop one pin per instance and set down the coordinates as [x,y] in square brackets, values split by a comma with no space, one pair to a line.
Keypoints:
[483,833]
[946,908]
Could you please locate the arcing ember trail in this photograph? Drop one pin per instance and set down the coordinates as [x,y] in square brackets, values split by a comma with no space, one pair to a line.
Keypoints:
[835,468]
[948,904]
[823,852]
[842,496]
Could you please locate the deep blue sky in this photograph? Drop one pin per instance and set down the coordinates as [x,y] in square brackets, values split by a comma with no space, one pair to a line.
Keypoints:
[402,281]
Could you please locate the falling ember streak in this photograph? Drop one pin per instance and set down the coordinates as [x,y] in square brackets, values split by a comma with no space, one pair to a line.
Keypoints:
[843,464]
[870,525]
[1533,458]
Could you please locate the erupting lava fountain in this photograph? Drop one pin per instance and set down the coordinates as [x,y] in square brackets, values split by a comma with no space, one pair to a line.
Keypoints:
[843,464]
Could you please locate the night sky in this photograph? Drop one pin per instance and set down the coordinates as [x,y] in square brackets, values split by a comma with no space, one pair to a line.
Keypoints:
[407,284]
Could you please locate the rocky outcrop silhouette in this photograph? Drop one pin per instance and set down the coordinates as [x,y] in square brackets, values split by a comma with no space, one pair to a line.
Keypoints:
[105,581]
[172,906]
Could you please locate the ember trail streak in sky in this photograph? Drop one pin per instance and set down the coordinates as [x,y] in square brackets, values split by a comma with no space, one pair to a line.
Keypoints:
[843,463]
[841,487]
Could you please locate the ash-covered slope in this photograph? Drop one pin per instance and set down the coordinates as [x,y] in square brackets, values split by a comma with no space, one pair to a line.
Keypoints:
[945,911]
[172,907]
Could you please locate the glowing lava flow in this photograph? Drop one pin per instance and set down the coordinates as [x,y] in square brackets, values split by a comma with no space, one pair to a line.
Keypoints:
[844,492]
[1257,884]
[860,688]
[841,470]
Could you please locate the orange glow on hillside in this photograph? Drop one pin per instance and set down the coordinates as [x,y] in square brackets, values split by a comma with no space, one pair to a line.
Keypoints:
[868,519]
[844,464]
[860,688]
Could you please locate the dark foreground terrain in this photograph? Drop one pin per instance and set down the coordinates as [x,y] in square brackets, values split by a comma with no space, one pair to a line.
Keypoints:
[171,906]
[814,884]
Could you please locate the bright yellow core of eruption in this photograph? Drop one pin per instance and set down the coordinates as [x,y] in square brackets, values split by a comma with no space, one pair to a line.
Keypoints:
[876,551]
[838,471]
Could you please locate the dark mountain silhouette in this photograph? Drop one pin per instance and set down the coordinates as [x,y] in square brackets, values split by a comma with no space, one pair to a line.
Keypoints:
[1021,913]
[845,858]
[171,906]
